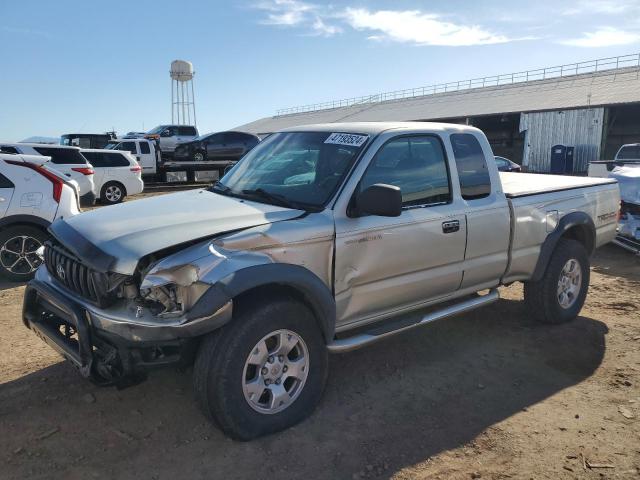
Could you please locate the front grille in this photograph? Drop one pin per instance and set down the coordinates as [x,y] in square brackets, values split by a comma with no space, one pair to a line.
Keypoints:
[75,276]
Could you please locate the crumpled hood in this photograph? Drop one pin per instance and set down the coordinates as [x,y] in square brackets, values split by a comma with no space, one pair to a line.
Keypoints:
[115,238]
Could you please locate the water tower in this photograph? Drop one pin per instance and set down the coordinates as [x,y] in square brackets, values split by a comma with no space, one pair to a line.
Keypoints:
[183,107]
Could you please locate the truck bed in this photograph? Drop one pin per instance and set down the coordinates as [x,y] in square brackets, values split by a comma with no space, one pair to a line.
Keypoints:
[517,185]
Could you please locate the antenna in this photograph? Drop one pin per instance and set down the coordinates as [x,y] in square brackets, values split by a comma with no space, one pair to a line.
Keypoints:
[183,106]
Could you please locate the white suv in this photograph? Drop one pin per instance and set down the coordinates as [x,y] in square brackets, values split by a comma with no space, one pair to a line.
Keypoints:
[67,160]
[117,174]
[31,197]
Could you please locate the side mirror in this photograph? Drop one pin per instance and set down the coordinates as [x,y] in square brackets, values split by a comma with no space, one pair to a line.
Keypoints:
[166,133]
[380,199]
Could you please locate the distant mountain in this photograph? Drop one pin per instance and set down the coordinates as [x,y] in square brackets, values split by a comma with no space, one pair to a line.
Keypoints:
[50,140]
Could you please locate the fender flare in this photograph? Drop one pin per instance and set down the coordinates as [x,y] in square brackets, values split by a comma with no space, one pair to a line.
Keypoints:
[573,219]
[315,292]
[22,219]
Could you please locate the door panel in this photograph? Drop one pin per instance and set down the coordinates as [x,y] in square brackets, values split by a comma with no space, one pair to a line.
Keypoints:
[383,264]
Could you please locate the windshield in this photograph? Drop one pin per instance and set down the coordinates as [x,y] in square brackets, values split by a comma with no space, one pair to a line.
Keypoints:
[111,145]
[158,129]
[296,169]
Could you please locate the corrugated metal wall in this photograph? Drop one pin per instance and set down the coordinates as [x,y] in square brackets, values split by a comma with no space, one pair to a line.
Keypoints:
[581,128]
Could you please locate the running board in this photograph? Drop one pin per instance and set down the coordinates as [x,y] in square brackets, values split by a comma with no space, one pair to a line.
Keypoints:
[360,340]
[632,246]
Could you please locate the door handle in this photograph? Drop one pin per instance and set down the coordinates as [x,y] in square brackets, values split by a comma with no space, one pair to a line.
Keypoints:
[450,226]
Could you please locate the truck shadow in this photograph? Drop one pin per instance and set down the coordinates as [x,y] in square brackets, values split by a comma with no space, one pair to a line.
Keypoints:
[392,405]
[614,261]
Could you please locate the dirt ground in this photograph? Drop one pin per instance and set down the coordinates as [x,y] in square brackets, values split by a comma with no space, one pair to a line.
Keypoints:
[489,394]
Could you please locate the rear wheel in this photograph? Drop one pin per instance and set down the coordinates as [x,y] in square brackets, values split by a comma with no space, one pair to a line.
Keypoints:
[200,156]
[560,294]
[263,372]
[18,257]
[112,193]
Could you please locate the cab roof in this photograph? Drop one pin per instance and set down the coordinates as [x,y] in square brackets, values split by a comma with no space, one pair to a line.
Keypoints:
[374,128]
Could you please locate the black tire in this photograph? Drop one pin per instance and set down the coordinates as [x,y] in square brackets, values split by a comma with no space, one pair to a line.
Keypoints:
[109,193]
[219,370]
[11,240]
[199,156]
[542,299]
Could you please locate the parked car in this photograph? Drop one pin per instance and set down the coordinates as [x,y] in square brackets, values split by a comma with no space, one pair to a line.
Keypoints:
[31,197]
[260,277]
[506,165]
[117,174]
[628,154]
[218,149]
[67,160]
[170,135]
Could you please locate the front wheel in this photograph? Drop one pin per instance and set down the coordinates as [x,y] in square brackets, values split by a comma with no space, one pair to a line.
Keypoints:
[18,252]
[264,372]
[560,294]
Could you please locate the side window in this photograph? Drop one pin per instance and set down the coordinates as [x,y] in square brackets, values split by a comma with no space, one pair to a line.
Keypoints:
[415,164]
[235,138]
[94,159]
[215,139]
[7,149]
[187,131]
[115,159]
[128,147]
[471,165]
[62,156]
[144,148]
[5,182]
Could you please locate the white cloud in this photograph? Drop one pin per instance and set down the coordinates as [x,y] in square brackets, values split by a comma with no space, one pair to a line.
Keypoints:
[603,37]
[414,26]
[607,7]
[407,26]
[285,12]
[321,28]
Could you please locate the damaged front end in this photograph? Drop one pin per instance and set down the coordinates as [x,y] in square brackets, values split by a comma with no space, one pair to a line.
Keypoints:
[115,327]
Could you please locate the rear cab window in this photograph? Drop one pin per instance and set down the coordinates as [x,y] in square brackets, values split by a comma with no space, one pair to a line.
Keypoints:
[471,164]
[187,131]
[629,152]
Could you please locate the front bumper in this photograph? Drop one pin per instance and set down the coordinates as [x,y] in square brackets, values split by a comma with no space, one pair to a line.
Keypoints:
[106,347]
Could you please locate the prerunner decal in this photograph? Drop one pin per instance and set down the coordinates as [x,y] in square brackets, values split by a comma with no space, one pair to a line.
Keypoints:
[350,139]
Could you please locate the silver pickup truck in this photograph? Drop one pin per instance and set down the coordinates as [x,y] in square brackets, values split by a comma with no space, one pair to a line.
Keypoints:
[324,238]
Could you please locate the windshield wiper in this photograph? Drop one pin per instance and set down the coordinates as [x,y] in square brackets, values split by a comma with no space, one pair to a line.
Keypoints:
[275,198]
[219,188]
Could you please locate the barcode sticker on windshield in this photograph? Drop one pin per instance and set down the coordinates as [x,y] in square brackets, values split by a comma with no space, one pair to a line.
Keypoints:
[347,139]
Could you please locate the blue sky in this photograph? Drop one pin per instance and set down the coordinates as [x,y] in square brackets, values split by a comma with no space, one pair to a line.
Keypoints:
[87,66]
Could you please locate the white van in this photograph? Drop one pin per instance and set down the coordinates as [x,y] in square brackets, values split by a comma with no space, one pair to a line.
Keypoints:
[118,174]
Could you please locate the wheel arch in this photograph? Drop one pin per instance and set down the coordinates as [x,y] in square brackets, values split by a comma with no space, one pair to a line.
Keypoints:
[262,282]
[576,226]
[26,220]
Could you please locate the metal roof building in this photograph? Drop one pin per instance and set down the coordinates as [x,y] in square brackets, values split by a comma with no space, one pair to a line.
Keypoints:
[593,106]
